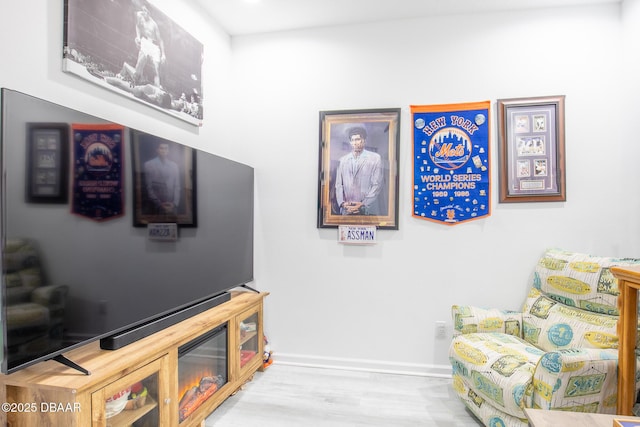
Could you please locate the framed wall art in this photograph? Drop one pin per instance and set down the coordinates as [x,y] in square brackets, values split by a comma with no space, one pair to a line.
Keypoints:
[358,168]
[531,137]
[164,181]
[47,162]
[132,48]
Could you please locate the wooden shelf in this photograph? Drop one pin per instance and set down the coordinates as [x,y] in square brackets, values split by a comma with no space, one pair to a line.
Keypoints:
[248,337]
[129,416]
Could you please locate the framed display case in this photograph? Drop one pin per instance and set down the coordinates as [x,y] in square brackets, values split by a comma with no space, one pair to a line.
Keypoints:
[532,149]
[47,162]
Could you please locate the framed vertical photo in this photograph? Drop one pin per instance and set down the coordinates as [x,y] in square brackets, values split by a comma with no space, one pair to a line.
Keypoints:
[358,168]
[164,181]
[531,137]
[47,162]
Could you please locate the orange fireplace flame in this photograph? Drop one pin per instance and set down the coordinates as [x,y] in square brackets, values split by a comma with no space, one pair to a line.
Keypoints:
[197,389]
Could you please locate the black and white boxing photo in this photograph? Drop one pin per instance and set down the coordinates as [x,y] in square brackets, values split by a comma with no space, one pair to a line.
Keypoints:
[133,48]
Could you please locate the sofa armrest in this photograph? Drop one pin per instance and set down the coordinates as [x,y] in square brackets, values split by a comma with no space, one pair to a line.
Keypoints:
[577,379]
[54,298]
[51,295]
[469,319]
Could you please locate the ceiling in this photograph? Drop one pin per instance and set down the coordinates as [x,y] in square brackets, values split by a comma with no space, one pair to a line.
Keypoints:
[242,17]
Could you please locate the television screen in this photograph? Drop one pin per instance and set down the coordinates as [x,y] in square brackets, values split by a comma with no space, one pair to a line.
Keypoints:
[106,228]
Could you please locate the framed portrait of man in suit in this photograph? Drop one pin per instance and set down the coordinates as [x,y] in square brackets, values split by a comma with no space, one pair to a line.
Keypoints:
[164,187]
[358,168]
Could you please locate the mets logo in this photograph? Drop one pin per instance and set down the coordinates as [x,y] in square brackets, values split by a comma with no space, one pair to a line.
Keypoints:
[450,148]
[98,158]
[451,214]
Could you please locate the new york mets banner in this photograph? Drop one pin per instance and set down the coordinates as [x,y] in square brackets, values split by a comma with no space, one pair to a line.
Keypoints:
[451,181]
[97,171]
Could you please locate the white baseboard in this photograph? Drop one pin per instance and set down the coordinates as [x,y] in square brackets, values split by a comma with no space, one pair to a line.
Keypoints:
[365,365]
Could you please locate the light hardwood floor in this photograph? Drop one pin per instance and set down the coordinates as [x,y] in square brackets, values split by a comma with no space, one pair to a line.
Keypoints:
[288,396]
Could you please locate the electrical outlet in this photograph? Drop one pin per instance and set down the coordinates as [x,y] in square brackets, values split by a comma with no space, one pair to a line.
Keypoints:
[441,328]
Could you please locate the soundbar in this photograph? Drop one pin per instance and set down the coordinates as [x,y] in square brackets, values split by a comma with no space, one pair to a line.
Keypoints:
[123,338]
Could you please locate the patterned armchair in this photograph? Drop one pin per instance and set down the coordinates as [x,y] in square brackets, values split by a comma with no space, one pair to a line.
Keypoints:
[34,310]
[558,353]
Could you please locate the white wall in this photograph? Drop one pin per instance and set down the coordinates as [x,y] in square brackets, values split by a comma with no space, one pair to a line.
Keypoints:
[375,307]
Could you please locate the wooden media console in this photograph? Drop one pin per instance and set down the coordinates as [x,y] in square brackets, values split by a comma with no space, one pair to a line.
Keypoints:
[51,394]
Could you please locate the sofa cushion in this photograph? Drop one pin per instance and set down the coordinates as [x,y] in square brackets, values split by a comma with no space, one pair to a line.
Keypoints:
[470,319]
[27,315]
[573,301]
[580,280]
[550,325]
[18,255]
[497,367]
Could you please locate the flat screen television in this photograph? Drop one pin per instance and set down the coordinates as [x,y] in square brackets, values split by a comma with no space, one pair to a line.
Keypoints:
[88,253]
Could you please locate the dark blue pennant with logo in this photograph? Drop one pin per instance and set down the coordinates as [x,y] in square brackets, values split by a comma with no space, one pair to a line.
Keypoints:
[97,171]
[451,174]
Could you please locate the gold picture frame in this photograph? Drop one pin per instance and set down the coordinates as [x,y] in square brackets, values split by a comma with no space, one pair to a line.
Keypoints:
[364,192]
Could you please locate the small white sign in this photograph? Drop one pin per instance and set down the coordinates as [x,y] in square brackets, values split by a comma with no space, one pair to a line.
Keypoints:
[357,235]
[166,232]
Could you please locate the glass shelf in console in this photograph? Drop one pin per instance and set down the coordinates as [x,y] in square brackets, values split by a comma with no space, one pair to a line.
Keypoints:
[249,344]
[131,400]
[137,405]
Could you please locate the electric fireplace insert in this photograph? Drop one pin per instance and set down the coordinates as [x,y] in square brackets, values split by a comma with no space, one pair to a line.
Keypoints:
[202,370]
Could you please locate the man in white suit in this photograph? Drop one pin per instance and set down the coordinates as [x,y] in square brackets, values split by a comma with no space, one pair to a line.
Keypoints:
[358,177]
[162,179]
